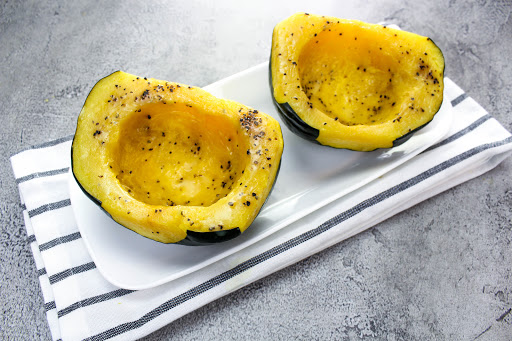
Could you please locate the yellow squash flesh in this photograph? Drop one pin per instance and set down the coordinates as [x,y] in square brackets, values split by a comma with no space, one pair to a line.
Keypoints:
[361,86]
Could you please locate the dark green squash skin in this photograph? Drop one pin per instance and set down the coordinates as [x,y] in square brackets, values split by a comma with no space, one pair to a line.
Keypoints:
[208,238]
[193,238]
[290,117]
[296,125]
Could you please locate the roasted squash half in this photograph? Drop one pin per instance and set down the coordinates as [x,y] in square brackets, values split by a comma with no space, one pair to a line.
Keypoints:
[172,162]
[349,84]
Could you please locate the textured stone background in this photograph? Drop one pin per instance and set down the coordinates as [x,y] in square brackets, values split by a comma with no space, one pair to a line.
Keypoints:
[439,271]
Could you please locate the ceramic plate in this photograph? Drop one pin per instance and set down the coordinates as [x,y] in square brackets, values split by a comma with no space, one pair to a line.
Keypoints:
[311,176]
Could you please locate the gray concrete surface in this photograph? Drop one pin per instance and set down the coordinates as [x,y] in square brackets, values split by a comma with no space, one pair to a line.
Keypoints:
[439,271]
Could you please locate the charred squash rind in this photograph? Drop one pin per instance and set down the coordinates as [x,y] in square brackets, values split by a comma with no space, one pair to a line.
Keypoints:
[336,77]
[172,162]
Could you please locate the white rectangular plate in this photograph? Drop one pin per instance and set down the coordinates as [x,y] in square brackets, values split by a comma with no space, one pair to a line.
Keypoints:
[311,176]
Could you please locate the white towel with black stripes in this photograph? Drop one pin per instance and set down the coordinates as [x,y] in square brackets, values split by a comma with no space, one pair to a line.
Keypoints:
[81,304]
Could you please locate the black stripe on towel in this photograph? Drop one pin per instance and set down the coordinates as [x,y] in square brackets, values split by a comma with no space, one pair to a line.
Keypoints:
[41,272]
[31,239]
[41,174]
[49,207]
[459,99]
[461,133]
[93,300]
[196,291]
[49,305]
[60,240]
[48,144]
[70,272]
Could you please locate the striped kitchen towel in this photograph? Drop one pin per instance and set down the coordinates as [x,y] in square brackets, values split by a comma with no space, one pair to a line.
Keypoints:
[82,305]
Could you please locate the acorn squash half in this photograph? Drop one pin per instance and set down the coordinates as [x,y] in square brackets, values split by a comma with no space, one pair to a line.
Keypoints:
[172,162]
[349,84]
